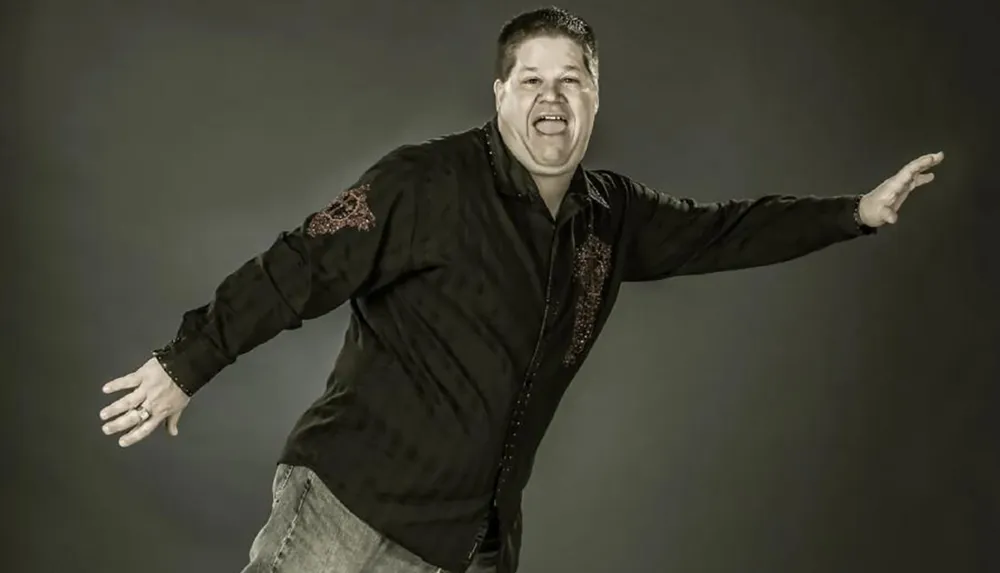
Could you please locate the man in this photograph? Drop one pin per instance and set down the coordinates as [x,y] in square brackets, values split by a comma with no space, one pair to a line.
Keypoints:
[479,268]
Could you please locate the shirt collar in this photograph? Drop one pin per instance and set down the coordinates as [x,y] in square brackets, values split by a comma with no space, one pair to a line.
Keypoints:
[513,179]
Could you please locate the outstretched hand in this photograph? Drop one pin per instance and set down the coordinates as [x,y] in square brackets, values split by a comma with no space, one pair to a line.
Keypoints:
[154,398]
[881,205]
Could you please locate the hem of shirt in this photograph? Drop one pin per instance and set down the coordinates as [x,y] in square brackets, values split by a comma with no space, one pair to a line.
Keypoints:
[294,459]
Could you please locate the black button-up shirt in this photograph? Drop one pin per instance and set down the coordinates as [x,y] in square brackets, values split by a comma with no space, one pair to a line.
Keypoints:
[472,309]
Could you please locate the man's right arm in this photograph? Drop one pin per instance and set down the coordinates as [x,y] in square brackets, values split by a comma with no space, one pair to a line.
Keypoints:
[366,238]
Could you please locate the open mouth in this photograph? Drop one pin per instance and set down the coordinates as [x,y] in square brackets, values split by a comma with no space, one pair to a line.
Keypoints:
[551,123]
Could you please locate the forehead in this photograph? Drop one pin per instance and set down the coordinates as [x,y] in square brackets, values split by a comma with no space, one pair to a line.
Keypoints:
[545,52]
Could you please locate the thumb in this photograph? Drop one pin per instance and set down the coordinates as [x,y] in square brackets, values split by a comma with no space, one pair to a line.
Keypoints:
[172,423]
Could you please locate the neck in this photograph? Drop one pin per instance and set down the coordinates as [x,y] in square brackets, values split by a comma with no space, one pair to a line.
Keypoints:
[553,189]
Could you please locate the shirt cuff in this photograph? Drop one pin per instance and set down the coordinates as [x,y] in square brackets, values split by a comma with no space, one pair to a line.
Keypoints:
[190,362]
[854,223]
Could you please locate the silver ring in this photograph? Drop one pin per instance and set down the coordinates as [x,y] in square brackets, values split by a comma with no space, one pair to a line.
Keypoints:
[144,414]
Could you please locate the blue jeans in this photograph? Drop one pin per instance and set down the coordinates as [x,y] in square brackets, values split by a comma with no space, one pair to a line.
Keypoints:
[310,531]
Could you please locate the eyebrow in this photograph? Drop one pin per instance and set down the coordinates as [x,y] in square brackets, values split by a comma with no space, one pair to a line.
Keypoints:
[569,68]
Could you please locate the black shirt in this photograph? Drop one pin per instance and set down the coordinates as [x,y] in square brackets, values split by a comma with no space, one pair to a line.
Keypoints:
[472,309]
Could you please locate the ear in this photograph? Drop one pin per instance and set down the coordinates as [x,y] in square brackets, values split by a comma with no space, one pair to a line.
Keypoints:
[597,98]
[497,93]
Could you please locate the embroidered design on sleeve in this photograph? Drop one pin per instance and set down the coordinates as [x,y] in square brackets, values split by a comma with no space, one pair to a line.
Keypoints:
[350,210]
[590,270]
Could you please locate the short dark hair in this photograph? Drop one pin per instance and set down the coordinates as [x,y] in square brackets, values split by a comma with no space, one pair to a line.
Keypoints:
[548,21]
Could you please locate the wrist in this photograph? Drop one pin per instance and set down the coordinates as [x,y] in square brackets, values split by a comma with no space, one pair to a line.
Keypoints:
[859,215]
[189,361]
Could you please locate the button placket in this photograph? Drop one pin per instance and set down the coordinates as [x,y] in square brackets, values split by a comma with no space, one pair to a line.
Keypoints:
[517,416]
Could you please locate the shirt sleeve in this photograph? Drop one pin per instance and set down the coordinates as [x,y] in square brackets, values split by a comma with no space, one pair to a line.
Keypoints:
[364,239]
[678,236]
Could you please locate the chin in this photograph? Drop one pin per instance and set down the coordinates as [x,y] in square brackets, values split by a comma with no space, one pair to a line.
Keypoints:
[552,169]
[555,161]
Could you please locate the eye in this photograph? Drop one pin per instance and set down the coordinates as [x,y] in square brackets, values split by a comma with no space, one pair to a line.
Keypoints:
[570,80]
[532,81]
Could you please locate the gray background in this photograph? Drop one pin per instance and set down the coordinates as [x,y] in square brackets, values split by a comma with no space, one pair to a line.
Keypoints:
[837,413]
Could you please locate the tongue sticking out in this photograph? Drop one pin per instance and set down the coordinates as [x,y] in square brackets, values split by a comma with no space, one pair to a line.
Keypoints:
[550,126]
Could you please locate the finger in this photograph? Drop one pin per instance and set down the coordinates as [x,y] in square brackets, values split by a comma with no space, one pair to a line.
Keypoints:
[923,163]
[890,189]
[900,197]
[122,423]
[141,432]
[172,422]
[123,404]
[890,216]
[922,179]
[124,383]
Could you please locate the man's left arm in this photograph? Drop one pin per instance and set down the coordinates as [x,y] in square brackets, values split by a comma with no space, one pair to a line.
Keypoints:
[672,236]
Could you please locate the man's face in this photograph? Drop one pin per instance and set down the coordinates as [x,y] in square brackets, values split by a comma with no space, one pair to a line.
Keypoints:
[546,107]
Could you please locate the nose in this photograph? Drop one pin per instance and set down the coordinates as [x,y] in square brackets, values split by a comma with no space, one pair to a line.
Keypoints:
[551,91]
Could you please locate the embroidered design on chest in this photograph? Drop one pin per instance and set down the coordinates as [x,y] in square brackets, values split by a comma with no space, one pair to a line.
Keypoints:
[348,211]
[590,271]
